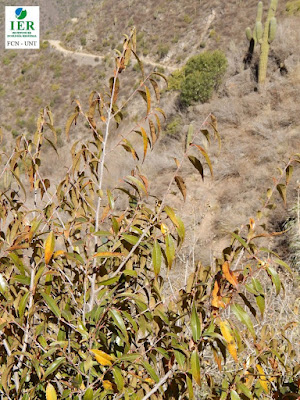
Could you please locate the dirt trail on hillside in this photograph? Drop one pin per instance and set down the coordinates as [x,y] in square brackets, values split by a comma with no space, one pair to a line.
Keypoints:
[94,59]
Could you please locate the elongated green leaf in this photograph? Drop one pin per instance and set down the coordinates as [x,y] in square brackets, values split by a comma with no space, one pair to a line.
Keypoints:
[102,233]
[25,280]
[156,258]
[18,262]
[283,264]
[111,200]
[118,320]
[180,358]
[189,136]
[195,324]
[119,380]
[242,241]
[171,214]
[130,357]
[275,279]
[180,229]
[189,384]
[150,371]
[51,304]
[234,395]
[23,303]
[130,238]
[134,325]
[243,388]
[88,395]
[260,301]
[257,285]
[137,184]
[243,317]
[195,366]
[109,281]
[170,250]
[53,367]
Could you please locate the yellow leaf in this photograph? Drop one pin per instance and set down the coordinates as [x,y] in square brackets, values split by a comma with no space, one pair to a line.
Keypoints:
[107,385]
[102,358]
[58,253]
[50,392]
[149,380]
[164,229]
[106,254]
[262,380]
[228,274]
[226,333]
[49,247]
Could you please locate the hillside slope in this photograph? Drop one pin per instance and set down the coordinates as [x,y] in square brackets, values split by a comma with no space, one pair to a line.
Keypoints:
[258,130]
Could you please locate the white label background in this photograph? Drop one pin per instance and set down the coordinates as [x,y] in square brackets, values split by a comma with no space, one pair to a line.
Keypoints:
[33,14]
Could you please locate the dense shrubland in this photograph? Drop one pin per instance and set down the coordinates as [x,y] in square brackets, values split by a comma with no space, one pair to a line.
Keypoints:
[85,312]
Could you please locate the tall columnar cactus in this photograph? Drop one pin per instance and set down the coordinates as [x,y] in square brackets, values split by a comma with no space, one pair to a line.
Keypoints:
[263,36]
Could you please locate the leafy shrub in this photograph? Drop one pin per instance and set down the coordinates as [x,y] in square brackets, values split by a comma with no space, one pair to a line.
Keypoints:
[44,44]
[176,79]
[174,126]
[293,7]
[162,50]
[202,75]
[84,313]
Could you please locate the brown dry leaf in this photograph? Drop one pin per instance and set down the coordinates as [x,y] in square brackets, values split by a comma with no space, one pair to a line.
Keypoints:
[216,301]
[228,274]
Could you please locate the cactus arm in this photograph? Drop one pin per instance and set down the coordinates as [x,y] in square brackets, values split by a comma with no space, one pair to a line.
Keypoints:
[268,34]
[249,33]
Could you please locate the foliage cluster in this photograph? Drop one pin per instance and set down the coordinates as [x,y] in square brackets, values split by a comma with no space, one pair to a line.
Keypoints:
[201,75]
[83,311]
[293,7]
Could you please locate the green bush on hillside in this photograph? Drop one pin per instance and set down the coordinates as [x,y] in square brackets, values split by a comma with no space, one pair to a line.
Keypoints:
[202,75]
[293,7]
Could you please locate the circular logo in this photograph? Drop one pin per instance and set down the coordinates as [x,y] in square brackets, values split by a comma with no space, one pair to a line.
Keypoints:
[20,13]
